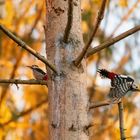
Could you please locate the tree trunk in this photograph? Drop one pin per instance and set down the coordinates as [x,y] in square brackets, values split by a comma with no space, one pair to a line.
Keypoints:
[68,100]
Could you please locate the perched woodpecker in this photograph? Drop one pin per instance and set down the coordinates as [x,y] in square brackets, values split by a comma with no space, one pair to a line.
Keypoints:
[120,84]
[38,73]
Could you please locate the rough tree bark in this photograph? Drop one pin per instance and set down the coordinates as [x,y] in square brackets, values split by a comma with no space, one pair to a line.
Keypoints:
[68,100]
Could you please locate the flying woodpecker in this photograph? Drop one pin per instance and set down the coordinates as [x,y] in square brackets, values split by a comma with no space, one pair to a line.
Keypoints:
[120,84]
[38,73]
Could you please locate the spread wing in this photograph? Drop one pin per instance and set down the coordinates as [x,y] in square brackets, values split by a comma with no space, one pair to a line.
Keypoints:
[120,80]
[119,88]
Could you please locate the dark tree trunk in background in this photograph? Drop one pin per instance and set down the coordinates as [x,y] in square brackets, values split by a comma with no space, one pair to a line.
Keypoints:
[68,100]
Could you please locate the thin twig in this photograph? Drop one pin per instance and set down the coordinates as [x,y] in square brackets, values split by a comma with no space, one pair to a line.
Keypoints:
[97,23]
[121,120]
[26,47]
[125,17]
[69,22]
[112,41]
[24,113]
[121,117]
[100,104]
[40,11]
[18,81]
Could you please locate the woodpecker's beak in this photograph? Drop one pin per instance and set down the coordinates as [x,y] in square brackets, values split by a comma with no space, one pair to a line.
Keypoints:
[135,88]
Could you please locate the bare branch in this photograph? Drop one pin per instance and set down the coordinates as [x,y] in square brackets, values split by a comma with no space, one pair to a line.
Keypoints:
[125,17]
[69,22]
[112,41]
[18,81]
[27,48]
[24,113]
[19,58]
[36,20]
[100,104]
[98,21]
[121,117]
[121,120]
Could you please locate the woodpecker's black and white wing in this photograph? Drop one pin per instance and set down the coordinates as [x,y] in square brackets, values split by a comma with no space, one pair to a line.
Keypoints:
[119,91]
[38,73]
[120,79]
[39,70]
[114,94]
[120,86]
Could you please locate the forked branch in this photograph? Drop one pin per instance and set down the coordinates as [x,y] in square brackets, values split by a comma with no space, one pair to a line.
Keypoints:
[121,117]
[97,23]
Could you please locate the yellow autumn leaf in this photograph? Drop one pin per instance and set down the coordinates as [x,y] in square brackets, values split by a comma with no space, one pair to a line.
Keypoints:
[84,26]
[123,3]
[10,13]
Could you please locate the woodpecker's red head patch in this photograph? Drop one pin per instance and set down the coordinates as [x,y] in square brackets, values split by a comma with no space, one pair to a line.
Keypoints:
[106,74]
[45,77]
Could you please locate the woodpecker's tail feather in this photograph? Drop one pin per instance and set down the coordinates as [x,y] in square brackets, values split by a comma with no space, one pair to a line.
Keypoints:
[103,73]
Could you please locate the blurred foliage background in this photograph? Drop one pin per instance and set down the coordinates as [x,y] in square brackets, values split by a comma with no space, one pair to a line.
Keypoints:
[23,109]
